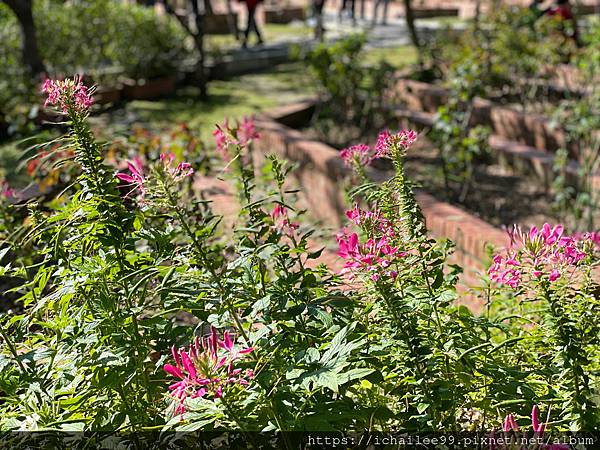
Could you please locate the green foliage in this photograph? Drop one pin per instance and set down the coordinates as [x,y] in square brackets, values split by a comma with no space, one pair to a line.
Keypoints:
[354,93]
[578,203]
[115,275]
[461,145]
[507,47]
[102,39]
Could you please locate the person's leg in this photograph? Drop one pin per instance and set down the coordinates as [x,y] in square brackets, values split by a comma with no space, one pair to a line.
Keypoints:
[342,9]
[248,25]
[318,9]
[353,10]
[375,8]
[255,26]
[386,3]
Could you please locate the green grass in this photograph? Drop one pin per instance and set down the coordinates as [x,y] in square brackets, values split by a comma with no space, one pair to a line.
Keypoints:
[244,95]
[233,98]
[398,57]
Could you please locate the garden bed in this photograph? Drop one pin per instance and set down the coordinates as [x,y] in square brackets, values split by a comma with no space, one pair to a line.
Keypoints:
[504,191]
[321,175]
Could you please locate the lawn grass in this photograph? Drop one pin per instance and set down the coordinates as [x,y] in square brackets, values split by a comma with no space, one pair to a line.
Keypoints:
[233,98]
[397,57]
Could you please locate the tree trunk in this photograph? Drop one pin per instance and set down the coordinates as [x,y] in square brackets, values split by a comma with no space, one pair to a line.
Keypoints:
[208,9]
[199,43]
[197,34]
[412,30]
[30,52]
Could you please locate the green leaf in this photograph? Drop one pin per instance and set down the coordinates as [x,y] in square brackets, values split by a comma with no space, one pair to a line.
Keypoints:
[354,374]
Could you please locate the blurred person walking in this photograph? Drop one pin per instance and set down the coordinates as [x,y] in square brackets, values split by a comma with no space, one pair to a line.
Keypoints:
[376,5]
[351,5]
[251,24]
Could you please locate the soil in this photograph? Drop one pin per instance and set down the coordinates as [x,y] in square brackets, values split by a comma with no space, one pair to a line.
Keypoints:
[498,196]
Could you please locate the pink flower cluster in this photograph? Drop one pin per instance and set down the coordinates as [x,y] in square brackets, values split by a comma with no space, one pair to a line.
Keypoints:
[67,93]
[386,141]
[510,424]
[364,155]
[179,172]
[538,254]
[590,236]
[281,220]
[7,191]
[206,368]
[135,178]
[241,135]
[361,154]
[377,254]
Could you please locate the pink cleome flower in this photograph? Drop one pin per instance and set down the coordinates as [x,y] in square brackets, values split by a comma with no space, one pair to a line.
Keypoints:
[375,256]
[206,368]
[243,134]
[364,155]
[246,131]
[538,427]
[281,220]
[179,172]
[537,254]
[67,93]
[386,141]
[135,178]
[360,154]
[222,138]
[7,191]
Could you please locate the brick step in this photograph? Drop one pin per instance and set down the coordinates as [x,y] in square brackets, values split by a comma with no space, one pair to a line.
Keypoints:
[520,157]
[513,124]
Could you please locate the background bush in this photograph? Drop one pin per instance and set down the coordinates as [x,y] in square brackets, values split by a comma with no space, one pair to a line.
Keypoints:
[99,38]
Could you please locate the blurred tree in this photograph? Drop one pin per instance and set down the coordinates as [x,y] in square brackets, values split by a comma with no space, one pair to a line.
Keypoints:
[410,23]
[192,21]
[30,51]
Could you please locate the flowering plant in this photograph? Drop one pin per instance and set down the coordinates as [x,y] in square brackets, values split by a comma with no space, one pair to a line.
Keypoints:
[139,311]
[203,371]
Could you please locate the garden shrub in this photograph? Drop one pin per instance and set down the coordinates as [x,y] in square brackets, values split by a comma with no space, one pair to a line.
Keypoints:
[461,146]
[132,38]
[139,315]
[354,94]
[104,39]
[511,49]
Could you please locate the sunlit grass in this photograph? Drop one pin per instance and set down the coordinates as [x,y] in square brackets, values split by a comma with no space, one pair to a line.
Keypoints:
[236,97]
[398,57]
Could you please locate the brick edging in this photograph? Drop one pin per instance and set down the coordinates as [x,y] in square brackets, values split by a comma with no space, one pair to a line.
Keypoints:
[321,166]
